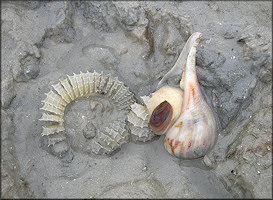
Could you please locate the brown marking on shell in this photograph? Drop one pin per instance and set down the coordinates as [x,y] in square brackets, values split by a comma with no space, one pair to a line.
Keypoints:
[189,144]
[161,117]
[179,124]
[169,142]
[192,89]
[191,95]
[175,145]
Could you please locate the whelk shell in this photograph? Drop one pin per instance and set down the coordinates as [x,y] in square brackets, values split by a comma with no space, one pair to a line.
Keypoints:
[194,132]
[182,113]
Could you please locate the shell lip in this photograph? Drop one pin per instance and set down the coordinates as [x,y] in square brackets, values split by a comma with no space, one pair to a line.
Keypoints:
[161,118]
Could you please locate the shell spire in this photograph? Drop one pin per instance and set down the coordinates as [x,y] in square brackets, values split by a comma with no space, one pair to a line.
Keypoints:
[189,82]
[182,60]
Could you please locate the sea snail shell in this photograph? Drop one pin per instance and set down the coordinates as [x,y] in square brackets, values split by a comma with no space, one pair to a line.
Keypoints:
[182,113]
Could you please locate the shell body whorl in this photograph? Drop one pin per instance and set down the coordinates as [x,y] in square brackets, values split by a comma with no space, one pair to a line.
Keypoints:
[193,134]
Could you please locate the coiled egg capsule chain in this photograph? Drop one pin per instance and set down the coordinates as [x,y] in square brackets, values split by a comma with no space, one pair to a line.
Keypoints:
[94,85]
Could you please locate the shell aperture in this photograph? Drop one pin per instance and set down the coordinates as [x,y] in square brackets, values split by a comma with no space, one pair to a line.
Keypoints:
[182,60]
[172,96]
[161,117]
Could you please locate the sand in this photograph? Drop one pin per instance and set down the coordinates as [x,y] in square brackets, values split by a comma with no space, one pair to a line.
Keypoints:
[138,42]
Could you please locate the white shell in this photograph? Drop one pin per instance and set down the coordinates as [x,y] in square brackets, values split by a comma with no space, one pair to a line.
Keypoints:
[182,113]
[194,132]
[83,85]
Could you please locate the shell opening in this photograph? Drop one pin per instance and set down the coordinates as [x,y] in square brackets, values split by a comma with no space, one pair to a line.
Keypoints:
[161,118]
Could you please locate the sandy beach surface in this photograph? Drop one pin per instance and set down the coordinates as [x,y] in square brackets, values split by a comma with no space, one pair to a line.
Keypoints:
[138,42]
